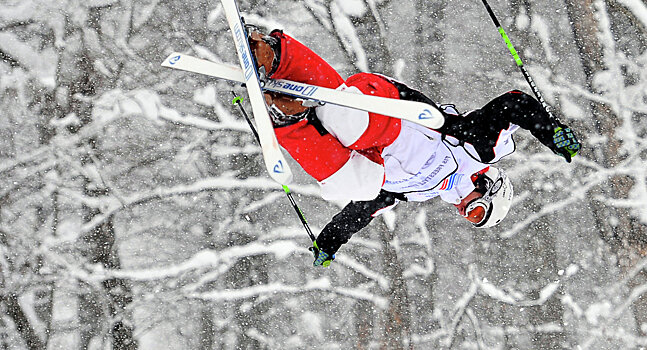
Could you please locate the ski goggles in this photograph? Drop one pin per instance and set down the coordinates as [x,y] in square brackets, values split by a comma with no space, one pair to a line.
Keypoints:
[475,210]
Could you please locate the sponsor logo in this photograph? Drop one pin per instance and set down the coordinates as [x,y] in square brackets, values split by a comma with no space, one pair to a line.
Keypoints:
[450,182]
[426,114]
[174,59]
[415,182]
[243,50]
[278,167]
[440,167]
[302,90]
[496,186]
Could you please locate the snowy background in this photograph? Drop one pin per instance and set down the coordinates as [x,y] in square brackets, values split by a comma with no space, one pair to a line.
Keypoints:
[135,212]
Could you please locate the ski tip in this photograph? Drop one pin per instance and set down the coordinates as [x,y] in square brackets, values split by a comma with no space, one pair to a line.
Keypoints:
[172,59]
[431,118]
[280,172]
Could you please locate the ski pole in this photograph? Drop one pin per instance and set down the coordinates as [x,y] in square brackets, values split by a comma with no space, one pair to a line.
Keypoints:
[517,59]
[237,101]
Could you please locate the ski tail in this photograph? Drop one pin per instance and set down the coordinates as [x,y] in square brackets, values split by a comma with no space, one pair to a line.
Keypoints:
[192,64]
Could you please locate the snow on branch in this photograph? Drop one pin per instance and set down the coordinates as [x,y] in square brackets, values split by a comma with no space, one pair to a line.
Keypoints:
[208,260]
[349,38]
[460,306]
[638,8]
[354,266]
[319,13]
[486,288]
[204,260]
[41,64]
[147,103]
[630,275]
[636,293]
[427,267]
[630,340]
[481,286]
[37,155]
[277,289]
[110,206]
[577,193]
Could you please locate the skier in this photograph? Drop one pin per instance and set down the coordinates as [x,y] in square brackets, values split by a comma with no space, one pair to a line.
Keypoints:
[376,161]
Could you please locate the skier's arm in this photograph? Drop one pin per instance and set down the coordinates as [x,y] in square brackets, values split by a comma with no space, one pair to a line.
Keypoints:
[519,108]
[354,217]
[514,107]
[360,130]
[482,127]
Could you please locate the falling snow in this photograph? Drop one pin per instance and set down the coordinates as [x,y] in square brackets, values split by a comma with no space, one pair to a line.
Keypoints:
[136,213]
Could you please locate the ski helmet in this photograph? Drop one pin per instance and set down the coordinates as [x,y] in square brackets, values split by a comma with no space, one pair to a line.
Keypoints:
[495,203]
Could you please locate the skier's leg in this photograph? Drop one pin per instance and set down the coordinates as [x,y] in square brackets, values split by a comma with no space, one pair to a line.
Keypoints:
[298,63]
[519,108]
[284,57]
[280,56]
[380,130]
[318,152]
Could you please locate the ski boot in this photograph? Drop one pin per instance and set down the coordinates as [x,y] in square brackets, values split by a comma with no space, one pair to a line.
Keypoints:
[283,109]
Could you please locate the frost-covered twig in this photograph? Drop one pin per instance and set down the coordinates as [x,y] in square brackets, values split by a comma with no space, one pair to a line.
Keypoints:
[477,328]
[460,306]
[577,193]
[278,289]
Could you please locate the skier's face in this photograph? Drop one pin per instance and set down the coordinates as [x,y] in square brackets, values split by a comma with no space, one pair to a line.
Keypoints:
[474,216]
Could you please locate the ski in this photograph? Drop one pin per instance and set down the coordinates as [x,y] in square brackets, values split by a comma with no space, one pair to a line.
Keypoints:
[417,112]
[275,162]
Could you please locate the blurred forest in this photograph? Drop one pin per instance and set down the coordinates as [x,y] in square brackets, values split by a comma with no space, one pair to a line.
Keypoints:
[135,211]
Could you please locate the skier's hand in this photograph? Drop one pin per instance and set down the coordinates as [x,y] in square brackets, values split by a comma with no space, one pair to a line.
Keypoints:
[321,258]
[565,142]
